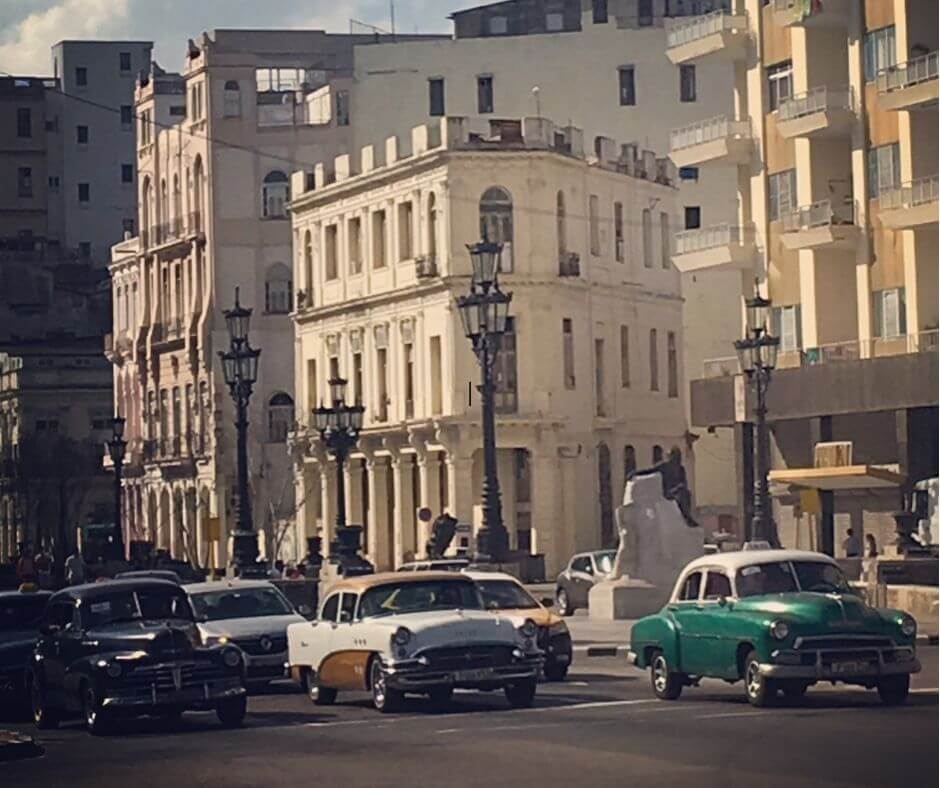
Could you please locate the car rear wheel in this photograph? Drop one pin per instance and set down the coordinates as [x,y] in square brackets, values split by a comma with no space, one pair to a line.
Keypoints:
[521,694]
[44,717]
[384,698]
[231,711]
[97,719]
[322,696]
[555,671]
[666,683]
[893,690]
[760,691]
[563,603]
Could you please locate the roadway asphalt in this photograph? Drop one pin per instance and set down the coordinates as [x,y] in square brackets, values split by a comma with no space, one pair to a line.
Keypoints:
[601,727]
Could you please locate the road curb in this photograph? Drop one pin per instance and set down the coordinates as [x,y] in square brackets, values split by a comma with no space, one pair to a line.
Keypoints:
[17,746]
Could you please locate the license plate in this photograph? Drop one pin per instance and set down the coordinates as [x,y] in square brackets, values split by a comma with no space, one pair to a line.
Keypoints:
[481,674]
[843,668]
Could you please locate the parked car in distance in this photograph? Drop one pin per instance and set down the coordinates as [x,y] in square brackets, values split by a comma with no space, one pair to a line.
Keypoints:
[780,620]
[20,614]
[423,632]
[250,614]
[505,595]
[129,647]
[435,565]
[150,574]
[576,580]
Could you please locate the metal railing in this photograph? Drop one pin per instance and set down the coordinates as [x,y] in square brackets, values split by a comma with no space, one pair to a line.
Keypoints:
[696,27]
[818,214]
[910,195]
[713,237]
[905,75]
[708,131]
[820,99]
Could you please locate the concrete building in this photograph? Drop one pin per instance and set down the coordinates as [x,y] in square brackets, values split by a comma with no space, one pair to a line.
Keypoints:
[215,144]
[834,140]
[601,66]
[589,380]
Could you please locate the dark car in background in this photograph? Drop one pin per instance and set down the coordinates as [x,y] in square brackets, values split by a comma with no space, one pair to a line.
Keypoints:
[129,648]
[20,615]
[576,580]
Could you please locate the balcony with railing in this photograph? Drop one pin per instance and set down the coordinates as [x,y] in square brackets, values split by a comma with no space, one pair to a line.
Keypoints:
[821,225]
[718,139]
[172,231]
[719,247]
[812,13]
[827,111]
[569,264]
[719,35]
[909,86]
[910,205]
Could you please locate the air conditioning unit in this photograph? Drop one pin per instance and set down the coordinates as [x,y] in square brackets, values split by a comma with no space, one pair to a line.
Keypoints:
[425,266]
[569,264]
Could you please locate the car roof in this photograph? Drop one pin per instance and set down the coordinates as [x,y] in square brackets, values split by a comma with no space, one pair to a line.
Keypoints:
[98,590]
[474,575]
[734,560]
[223,585]
[362,582]
[17,594]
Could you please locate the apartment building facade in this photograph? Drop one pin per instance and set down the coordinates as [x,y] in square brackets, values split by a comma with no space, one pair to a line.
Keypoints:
[215,144]
[833,140]
[589,378]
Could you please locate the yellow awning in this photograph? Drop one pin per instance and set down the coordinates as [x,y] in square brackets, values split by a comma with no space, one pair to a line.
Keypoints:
[848,477]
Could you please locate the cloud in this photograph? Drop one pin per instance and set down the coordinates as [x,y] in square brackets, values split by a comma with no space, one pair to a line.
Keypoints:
[25,49]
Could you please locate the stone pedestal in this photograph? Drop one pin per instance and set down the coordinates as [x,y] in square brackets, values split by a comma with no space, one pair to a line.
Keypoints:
[612,600]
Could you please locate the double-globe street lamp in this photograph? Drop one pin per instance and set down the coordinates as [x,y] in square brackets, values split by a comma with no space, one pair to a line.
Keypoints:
[117,450]
[240,368]
[484,312]
[757,354]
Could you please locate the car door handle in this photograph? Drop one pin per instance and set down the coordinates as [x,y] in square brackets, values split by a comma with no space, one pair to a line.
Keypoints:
[303,644]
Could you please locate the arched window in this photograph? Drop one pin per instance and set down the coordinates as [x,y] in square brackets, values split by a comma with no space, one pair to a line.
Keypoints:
[177,199]
[629,461]
[163,209]
[280,417]
[146,209]
[496,222]
[198,193]
[275,194]
[432,225]
[560,221]
[231,100]
[657,454]
[277,290]
[308,266]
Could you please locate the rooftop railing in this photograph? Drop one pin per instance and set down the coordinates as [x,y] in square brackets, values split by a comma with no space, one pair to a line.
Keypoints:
[713,237]
[696,27]
[820,99]
[910,195]
[708,131]
[905,75]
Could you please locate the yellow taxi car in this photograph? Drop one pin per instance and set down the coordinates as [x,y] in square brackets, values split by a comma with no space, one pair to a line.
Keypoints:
[504,594]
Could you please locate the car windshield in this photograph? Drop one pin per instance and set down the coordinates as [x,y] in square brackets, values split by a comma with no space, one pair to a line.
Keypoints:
[820,576]
[778,577]
[605,561]
[505,595]
[240,603]
[417,597]
[135,605]
[19,613]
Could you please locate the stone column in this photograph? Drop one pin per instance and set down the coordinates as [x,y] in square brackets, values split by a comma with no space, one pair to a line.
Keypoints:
[378,537]
[327,501]
[404,527]
[548,515]
[429,469]
[460,493]
[354,513]
[172,535]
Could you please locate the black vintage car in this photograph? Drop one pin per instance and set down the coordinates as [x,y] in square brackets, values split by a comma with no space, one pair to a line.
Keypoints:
[129,647]
[20,614]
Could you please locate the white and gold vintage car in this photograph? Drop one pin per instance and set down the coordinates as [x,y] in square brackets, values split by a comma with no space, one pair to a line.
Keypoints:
[425,633]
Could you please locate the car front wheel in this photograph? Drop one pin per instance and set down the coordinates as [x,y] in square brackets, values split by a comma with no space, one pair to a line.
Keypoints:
[44,717]
[666,683]
[97,719]
[231,711]
[521,694]
[563,603]
[760,690]
[384,698]
[894,689]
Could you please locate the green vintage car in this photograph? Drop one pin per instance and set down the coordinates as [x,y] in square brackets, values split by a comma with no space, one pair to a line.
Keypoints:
[780,620]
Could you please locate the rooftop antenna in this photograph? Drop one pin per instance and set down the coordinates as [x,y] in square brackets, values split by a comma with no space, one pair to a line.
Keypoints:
[538,103]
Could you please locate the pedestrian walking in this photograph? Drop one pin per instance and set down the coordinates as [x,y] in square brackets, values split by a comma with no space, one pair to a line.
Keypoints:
[75,570]
[851,546]
[25,565]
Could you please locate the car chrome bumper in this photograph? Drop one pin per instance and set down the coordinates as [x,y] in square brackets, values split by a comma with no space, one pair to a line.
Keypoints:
[270,666]
[632,657]
[826,666]
[412,675]
[203,696]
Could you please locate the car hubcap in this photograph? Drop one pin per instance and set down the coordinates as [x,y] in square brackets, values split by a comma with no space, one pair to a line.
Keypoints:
[562,600]
[660,674]
[312,689]
[378,686]
[753,680]
[36,695]
[90,713]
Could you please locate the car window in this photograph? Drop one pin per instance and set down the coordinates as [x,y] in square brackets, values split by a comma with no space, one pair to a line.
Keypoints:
[417,597]
[771,578]
[240,603]
[820,576]
[582,564]
[330,608]
[21,612]
[717,584]
[135,605]
[347,608]
[505,595]
[605,561]
[690,588]
[59,615]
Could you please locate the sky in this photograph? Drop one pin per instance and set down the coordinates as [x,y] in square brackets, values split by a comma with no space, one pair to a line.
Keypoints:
[29,28]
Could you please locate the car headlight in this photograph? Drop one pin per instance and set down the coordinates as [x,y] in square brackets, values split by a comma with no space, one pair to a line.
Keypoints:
[231,657]
[402,636]
[908,626]
[528,628]
[215,640]
[780,629]
[114,669]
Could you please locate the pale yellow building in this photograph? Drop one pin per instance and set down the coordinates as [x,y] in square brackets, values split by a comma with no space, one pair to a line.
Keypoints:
[834,142]
[589,379]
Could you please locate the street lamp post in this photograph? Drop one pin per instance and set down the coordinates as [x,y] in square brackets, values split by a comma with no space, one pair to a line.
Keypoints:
[240,368]
[117,449]
[484,312]
[757,353]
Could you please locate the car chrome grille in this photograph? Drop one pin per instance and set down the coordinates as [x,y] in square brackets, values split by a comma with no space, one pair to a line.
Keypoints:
[192,674]
[835,642]
[468,657]
[253,647]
